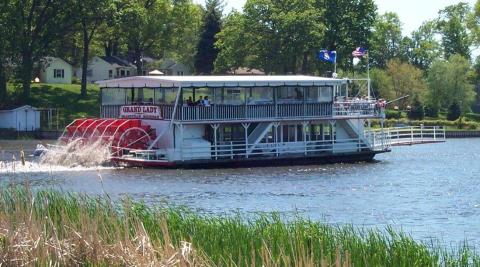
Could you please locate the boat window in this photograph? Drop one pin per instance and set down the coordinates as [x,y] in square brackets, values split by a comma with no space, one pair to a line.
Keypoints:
[199,94]
[326,94]
[232,133]
[148,96]
[230,95]
[312,94]
[290,94]
[260,95]
[113,96]
[165,95]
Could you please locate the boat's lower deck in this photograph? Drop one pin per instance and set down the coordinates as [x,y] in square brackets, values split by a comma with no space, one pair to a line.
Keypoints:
[286,160]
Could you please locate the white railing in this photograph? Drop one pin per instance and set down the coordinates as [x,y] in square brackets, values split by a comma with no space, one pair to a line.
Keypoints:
[260,111]
[356,108]
[231,150]
[399,136]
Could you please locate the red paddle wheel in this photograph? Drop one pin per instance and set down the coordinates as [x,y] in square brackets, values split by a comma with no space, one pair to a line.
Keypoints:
[118,134]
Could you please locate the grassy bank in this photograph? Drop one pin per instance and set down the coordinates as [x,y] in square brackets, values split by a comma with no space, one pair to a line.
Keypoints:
[49,226]
[65,97]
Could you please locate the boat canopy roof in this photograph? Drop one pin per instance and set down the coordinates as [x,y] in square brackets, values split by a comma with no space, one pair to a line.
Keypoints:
[219,81]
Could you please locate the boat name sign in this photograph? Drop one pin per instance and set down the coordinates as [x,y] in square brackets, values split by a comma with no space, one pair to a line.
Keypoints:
[140,112]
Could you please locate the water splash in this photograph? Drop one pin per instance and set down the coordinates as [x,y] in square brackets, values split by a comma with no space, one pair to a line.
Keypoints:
[77,154]
[16,167]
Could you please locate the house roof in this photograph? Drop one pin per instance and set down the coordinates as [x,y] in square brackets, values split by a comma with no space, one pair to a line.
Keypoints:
[247,71]
[48,59]
[116,60]
[16,107]
[219,81]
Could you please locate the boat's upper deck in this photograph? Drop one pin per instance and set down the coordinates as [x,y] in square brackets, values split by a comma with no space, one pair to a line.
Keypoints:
[200,99]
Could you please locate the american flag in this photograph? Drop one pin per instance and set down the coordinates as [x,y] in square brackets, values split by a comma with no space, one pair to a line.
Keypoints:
[359,52]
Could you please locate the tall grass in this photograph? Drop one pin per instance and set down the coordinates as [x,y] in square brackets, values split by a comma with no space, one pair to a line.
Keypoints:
[51,227]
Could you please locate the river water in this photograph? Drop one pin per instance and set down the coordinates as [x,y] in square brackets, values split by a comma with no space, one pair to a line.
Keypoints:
[429,191]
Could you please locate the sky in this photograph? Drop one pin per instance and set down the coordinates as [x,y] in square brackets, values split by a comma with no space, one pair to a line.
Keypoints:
[412,13]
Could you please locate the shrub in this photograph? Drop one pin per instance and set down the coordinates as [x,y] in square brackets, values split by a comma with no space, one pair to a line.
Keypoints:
[454,111]
[392,114]
[416,112]
[431,111]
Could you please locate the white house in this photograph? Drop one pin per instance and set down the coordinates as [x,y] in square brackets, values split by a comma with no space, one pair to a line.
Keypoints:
[24,118]
[105,68]
[172,68]
[55,70]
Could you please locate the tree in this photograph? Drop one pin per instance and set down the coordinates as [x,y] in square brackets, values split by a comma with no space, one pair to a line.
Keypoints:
[230,44]
[186,22]
[381,84]
[386,39]
[348,24]
[424,48]
[417,111]
[276,36]
[146,28]
[206,50]
[38,24]
[454,111]
[92,14]
[5,48]
[453,26]
[450,81]
[406,80]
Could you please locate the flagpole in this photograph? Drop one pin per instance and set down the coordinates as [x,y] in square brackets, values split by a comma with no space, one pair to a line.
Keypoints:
[368,75]
[335,63]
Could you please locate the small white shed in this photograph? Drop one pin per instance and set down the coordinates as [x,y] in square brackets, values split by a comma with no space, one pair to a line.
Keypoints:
[24,118]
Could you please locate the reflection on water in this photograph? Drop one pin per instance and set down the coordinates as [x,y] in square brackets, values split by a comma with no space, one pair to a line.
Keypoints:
[428,190]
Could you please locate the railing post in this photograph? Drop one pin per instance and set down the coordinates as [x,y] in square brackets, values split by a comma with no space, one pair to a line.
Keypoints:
[411,132]
[421,132]
[434,133]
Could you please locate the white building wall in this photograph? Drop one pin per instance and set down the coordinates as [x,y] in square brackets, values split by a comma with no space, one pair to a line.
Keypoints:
[99,70]
[47,72]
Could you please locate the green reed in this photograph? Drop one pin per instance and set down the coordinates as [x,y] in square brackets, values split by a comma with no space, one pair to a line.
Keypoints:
[90,230]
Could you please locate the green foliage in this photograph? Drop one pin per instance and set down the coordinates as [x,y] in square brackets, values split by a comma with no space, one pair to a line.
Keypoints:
[453,26]
[206,50]
[145,27]
[454,111]
[417,111]
[473,116]
[277,37]
[65,97]
[393,114]
[38,26]
[263,240]
[232,53]
[386,39]
[449,81]
[381,84]
[424,48]
[348,25]
[398,80]
[431,111]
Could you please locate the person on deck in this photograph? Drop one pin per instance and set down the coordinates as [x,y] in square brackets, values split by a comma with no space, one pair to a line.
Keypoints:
[206,102]
[189,101]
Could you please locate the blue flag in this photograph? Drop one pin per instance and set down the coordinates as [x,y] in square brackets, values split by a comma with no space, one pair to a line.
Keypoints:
[328,56]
